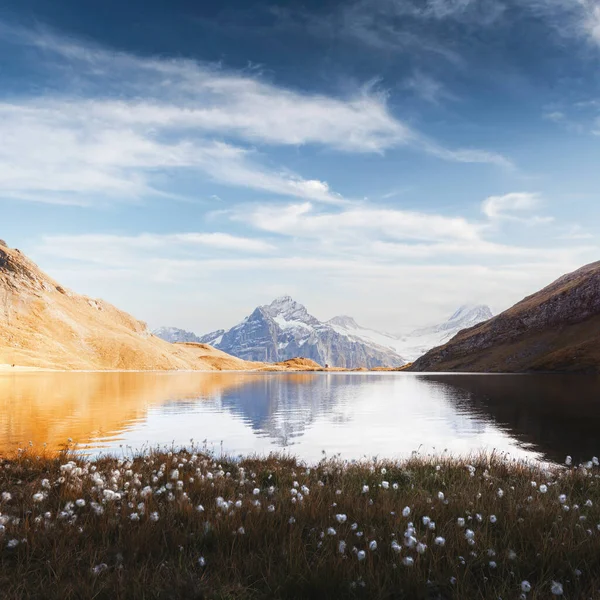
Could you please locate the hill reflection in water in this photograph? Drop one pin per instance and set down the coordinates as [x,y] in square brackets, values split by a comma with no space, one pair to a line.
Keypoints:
[554,414]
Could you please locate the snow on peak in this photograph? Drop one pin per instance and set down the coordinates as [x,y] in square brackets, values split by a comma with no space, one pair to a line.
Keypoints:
[344,321]
[287,308]
[472,312]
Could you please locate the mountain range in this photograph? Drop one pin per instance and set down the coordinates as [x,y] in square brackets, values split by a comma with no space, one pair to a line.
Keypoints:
[285,329]
[555,329]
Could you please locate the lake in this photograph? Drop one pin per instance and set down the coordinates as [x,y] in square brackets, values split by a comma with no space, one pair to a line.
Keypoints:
[310,415]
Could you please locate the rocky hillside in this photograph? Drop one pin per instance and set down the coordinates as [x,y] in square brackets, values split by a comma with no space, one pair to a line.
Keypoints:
[285,329]
[45,325]
[555,329]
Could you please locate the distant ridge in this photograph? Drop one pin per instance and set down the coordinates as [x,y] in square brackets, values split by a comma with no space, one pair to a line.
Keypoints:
[555,329]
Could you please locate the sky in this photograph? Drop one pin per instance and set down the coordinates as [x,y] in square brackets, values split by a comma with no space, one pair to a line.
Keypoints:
[385,159]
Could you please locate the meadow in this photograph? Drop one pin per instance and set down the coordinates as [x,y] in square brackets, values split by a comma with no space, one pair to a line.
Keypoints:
[184,524]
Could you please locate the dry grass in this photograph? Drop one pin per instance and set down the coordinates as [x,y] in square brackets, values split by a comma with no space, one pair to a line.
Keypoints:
[131,528]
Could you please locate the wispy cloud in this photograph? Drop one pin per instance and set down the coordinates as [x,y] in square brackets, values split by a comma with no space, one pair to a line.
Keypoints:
[114,249]
[124,119]
[513,206]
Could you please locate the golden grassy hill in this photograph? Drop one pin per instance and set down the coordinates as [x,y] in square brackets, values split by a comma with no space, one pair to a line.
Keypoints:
[555,329]
[44,325]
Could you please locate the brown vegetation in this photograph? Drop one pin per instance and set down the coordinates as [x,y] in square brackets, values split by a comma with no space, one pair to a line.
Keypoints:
[186,525]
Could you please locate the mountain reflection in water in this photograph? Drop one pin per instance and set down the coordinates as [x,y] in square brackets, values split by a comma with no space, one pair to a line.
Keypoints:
[354,414]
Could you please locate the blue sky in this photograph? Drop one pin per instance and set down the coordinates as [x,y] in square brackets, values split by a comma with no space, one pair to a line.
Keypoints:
[388,159]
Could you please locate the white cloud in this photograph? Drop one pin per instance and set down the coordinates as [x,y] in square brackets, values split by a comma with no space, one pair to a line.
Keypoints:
[303,220]
[505,207]
[121,250]
[122,120]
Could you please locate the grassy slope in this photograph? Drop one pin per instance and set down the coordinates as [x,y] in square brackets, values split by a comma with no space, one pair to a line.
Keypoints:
[287,551]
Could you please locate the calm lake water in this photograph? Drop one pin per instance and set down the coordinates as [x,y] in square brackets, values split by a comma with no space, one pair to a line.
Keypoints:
[307,414]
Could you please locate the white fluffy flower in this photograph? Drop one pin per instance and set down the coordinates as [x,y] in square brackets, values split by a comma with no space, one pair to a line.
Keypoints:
[556,589]
[439,541]
[562,498]
[202,561]
[361,555]
[342,547]
[365,489]
[38,497]
[493,519]
[406,511]
[154,517]
[440,495]
[256,491]
[331,531]
[543,488]
[341,518]
[408,561]
[525,586]
[372,545]
[460,522]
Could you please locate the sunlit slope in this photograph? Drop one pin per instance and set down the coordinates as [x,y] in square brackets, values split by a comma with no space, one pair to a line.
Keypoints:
[45,325]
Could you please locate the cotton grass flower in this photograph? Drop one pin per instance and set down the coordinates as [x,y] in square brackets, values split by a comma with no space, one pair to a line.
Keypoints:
[341,518]
[342,547]
[396,547]
[80,502]
[256,491]
[421,548]
[562,498]
[372,545]
[365,489]
[493,519]
[202,561]
[38,497]
[525,586]
[460,522]
[6,497]
[406,511]
[440,495]
[154,517]
[98,569]
[439,541]
[331,531]
[361,555]
[556,589]
[408,561]
[543,488]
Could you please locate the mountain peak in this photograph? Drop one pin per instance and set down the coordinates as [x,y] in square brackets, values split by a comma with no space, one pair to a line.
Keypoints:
[472,311]
[287,308]
[344,321]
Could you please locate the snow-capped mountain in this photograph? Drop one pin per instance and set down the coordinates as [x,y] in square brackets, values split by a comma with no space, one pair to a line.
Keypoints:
[420,341]
[285,329]
[173,334]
